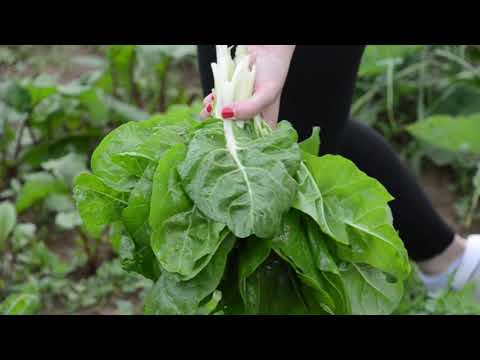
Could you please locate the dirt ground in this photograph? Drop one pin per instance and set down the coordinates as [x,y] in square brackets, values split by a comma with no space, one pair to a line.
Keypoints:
[436,183]
[67,62]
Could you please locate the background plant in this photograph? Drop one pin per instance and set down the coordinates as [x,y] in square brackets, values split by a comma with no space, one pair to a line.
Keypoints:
[49,124]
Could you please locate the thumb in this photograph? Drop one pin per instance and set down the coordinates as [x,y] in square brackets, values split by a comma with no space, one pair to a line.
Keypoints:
[247,109]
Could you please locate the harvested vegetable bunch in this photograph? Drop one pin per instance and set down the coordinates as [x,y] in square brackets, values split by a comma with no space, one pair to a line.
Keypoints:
[238,218]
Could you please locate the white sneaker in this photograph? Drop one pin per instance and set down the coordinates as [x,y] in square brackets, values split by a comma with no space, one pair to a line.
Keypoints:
[469,269]
[462,272]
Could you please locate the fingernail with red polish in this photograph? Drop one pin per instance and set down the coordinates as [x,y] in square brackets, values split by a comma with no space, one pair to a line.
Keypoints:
[213,98]
[227,113]
[209,108]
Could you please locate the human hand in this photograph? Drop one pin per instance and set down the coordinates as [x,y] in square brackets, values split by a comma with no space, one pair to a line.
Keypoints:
[272,64]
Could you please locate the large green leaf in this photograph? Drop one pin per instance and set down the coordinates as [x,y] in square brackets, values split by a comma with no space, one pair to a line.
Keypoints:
[456,134]
[123,154]
[319,243]
[325,261]
[232,302]
[273,290]
[172,296]
[186,242]
[240,179]
[98,204]
[167,188]
[352,208]
[312,144]
[293,245]
[370,291]
[312,200]
[183,239]
[135,215]
[136,257]
[254,252]
[328,276]
[8,219]
[121,140]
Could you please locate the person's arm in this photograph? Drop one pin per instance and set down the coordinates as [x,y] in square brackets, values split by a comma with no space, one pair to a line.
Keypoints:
[272,63]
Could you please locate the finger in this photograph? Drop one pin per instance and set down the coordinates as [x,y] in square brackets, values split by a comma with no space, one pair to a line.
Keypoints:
[206,112]
[270,114]
[247,109]
[209,99]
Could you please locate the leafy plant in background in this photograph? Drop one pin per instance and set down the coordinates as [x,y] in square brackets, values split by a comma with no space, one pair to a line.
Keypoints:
[458,138]
[399,85]
[415,83]
[240,218]
[47,131]
[8,218]
[387,76]
[140,75]
[22,303]
[417,301]
[36,278]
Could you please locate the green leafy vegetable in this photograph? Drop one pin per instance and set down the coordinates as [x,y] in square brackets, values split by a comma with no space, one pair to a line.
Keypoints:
[184,240]
[352,208]
[273,290]
[312,144]
[172,296]
[239,218]
[248,184]
[293,245]
[370,291]
[123,155]
[98,204]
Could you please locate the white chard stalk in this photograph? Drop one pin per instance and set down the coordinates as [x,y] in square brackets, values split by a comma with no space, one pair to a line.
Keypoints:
[234,79]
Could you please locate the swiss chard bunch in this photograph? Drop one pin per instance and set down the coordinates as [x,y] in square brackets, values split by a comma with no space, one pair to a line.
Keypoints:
[239,218]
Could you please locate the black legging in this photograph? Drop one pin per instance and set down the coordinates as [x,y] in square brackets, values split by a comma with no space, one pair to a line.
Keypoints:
[318,92]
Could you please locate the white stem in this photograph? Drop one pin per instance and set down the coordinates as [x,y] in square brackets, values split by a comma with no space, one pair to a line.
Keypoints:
[230,138]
